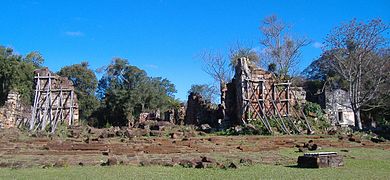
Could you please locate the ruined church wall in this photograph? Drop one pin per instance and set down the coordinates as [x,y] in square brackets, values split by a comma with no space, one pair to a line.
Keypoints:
[338,107]
[256,92]
[14,113]
[199,111]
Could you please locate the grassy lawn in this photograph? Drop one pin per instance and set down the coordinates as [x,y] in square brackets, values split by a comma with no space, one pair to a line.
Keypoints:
[359,164]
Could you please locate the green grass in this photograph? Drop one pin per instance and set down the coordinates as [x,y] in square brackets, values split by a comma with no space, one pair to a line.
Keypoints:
[359,164]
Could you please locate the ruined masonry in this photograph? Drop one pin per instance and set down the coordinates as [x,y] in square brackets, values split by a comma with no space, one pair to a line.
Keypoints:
[14,113]
[54,102]
[255,94]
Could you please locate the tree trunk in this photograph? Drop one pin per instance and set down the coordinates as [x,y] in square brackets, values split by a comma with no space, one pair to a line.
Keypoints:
[223,93]
[358,121]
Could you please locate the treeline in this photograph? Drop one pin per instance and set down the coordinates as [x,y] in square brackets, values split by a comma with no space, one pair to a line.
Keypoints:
[123,92]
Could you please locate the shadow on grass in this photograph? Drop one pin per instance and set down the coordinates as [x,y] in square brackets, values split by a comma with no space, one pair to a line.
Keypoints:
[292,166]
[297,167]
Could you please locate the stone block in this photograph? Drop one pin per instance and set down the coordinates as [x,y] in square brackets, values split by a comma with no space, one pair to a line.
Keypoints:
[320,160]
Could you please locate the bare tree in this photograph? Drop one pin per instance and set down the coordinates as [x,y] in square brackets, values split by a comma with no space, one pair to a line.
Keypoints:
[217,66]
[281,50]
[355,54]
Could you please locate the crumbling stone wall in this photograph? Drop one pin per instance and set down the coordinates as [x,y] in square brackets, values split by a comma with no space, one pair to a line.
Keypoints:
[199,111]
[14,113]
[255,94]
[299,94]
[180,114]
[338,107]
[259,93]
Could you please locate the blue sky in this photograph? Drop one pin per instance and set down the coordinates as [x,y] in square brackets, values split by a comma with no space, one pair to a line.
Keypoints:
[164,37]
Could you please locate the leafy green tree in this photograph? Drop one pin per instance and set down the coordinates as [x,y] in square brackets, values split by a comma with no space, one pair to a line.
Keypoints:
[126,91]
[208,92]
[239,52]
[17,74]
[85,83]
[35,58]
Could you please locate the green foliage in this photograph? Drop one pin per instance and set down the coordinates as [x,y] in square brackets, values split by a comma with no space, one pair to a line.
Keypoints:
[316,116]
[62,131]
[259,129]
[85,83]
[272,67]
[315,108]
[239,52]
[126,91]
[262,130]
[17,73]
[208,92]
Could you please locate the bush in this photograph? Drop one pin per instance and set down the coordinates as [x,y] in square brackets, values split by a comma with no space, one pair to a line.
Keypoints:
[316,116]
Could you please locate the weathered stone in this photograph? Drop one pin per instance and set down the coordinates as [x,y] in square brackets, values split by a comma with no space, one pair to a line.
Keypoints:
[377,140]
[354,139]
[232,165]
[205,128]
[204,165]
[180,115]
[112,161]
[246,161]
[208,159]
[59,164]
[200,111]
[320,160]
[14,113]
[157,133]
[186,163]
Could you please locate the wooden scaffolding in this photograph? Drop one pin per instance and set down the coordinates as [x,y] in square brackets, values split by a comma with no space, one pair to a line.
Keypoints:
[54,102]
[260,97]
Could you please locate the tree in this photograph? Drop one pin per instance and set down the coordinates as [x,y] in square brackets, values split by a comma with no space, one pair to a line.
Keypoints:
[238,51]
[126,91]
[35,58]
[206,91]
[16,74]
[280,48]
[322,70]
[85,84]
[353,50]
[217,66]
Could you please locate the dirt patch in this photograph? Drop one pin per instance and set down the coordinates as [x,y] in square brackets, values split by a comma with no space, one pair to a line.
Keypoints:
[18,150]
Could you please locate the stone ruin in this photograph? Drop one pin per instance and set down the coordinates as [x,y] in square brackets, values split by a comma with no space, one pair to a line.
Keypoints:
[14,113]
[55,101]
[173,115]
[253,95]
[320,160]
[200,111]
[338,107]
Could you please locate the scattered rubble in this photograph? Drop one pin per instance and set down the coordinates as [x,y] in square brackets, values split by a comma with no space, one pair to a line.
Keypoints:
[309,146]
[377,140]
